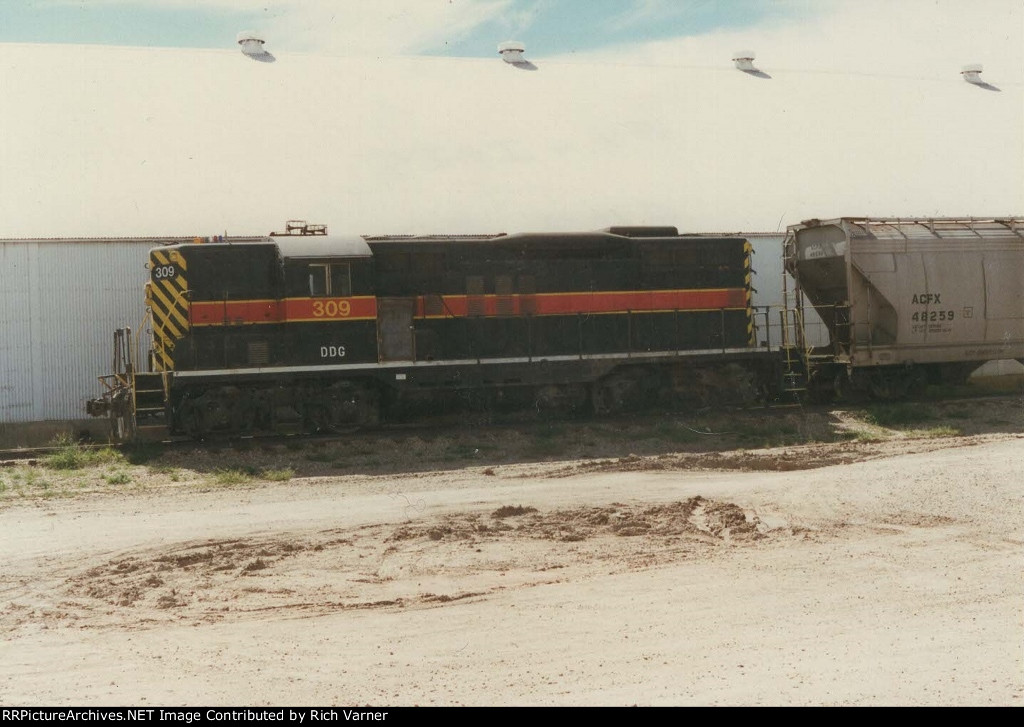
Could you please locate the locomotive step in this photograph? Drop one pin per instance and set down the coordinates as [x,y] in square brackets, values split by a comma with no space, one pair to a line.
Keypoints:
[152,432]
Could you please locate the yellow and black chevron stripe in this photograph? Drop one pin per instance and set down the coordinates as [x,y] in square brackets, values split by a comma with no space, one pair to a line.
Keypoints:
[165,296]
[748,250]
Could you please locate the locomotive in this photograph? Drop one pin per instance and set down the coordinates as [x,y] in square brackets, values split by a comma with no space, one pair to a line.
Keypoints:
[302,330]
[313,331]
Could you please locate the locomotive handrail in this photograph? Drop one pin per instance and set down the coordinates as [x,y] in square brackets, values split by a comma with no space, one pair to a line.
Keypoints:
[146,318]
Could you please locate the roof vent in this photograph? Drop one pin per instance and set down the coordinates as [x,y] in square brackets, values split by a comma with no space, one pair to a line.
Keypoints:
[252,46]
[512,51]
[972,73]
[744,60]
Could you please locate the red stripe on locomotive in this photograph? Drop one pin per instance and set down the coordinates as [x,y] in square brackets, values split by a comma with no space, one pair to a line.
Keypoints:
[208,313]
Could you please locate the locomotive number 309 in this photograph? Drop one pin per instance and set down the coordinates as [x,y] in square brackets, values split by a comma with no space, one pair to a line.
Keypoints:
[164,271]
[332,308]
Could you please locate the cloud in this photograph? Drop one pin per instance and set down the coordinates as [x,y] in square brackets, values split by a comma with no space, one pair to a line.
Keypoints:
[344,27]
[382,27]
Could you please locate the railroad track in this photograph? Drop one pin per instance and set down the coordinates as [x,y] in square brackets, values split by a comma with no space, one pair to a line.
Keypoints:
[449,424]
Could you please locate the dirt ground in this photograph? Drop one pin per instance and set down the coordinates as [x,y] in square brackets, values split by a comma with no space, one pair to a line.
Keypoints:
[842,557]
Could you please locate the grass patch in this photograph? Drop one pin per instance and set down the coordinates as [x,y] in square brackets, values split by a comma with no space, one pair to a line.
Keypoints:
[231,477]
[896,415]
[118,478]
[281,475]
[70,455]
[863,435]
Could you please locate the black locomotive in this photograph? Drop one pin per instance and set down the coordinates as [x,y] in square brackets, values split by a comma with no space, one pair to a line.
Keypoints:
[317,332]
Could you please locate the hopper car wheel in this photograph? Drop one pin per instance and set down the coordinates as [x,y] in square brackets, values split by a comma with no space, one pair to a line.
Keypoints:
[917,384]
[842,390]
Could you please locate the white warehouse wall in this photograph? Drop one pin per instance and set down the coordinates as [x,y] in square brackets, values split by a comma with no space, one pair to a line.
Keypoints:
[60,302]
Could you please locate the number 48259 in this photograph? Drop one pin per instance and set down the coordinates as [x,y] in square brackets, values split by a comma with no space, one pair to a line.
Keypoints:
[926,316]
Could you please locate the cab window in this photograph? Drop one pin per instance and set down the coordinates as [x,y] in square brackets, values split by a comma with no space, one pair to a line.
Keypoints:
[334,280]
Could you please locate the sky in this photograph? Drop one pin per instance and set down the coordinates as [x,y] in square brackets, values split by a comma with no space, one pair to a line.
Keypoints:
[914,38]
[462,28]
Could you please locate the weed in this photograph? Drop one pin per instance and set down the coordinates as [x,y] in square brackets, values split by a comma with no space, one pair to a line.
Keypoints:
[896,415]
[118,478]
[862,435]
[70,455]
[281,475]
[231,477]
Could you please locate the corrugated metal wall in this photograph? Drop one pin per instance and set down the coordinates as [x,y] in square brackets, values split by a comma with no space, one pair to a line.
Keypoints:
[60,301]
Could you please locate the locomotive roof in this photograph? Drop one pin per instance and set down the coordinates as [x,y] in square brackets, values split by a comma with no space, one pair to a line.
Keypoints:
[587,239]
[312,246]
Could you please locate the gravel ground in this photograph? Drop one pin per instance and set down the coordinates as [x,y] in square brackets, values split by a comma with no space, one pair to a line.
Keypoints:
[852,561]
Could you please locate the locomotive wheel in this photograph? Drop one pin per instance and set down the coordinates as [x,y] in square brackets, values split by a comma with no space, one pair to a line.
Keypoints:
[340,405]
[561,399]
[623,391]
[186,417]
